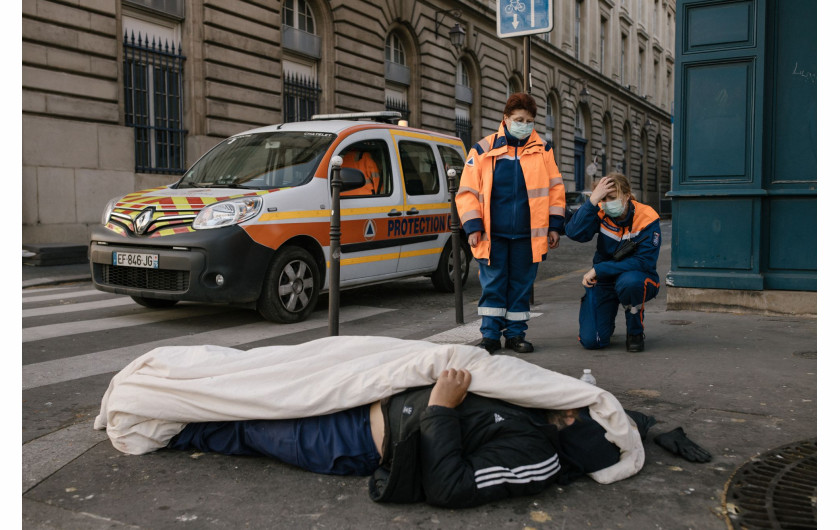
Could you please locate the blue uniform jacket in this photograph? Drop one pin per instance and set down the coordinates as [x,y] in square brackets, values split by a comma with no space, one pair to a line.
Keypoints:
[641,225]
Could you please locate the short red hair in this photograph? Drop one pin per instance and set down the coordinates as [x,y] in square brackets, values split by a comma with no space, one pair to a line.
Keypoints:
[523,101]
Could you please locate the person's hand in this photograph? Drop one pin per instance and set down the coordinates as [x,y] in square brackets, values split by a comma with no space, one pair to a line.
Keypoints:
[589,279]
[604,187]
[553,239]
[450,389]
[474,238]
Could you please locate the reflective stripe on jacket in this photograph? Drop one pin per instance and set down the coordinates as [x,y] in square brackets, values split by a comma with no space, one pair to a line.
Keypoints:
[546,193]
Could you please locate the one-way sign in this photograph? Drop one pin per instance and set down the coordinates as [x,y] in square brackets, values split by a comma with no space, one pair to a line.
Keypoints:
[524,17]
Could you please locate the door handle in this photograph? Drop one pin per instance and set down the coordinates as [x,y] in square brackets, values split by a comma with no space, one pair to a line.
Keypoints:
[394,213]
[413,211]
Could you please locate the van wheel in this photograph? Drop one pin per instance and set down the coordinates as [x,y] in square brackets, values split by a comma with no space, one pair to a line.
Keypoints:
[291,287]
[444,278]
[154,303]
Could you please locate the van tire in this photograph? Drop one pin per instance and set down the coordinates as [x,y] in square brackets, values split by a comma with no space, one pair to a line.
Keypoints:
[291,287]
[442,278]
[154,303]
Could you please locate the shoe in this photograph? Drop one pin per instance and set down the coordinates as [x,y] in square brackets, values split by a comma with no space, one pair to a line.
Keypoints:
[519,345]
[490,345]
[636,343]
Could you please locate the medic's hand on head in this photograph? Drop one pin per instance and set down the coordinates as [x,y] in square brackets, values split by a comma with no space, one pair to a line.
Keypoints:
[604,187]
[451,388]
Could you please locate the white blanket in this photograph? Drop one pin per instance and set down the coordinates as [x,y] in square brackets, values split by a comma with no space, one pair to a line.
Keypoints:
[150,400]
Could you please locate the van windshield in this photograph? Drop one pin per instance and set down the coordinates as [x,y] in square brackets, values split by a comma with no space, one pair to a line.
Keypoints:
[260,161]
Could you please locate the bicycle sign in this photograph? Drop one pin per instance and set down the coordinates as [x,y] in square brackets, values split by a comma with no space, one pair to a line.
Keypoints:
[524,17]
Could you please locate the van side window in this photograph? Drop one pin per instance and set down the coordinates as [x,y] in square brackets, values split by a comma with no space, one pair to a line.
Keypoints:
[371,158]
[452,159]
[420,171]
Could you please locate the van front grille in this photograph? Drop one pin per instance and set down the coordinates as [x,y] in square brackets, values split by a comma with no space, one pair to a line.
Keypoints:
[154,279]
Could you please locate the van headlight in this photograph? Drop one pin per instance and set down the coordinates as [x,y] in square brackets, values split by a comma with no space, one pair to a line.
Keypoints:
[106,214]
[227,213]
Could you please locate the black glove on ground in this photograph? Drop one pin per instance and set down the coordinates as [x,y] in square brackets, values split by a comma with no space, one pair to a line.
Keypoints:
[678,443]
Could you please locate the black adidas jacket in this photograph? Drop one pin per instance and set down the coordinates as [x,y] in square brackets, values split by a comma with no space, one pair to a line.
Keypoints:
[482,451]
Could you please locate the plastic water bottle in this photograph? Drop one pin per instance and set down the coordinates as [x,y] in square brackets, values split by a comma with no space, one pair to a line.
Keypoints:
[587,376]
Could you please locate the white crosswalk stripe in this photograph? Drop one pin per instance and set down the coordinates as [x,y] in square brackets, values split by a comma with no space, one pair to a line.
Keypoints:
[77,307]
[63,295]
[52,331]
[114,360]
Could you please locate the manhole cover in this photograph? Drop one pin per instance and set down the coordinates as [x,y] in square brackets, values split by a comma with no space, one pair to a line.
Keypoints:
[778,490]
[677,322]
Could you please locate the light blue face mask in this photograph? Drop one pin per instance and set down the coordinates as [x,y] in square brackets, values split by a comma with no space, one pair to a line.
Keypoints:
[614,208]
[520,130]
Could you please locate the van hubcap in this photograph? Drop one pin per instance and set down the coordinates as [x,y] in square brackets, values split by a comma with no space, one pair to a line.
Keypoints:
[295,286]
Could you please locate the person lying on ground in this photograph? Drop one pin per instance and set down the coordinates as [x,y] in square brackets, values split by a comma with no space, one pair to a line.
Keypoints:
[440,444]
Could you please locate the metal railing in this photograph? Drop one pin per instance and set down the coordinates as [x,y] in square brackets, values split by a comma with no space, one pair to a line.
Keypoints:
[398,105]
[300,97]
[463,130]
[153,80]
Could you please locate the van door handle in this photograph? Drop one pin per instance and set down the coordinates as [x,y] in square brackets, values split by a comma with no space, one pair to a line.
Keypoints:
[413,211]
[394,213]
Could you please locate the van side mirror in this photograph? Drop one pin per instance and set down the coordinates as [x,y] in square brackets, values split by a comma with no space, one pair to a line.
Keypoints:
[351,179]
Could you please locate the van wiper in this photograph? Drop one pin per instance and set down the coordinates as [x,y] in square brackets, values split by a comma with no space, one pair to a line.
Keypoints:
[231,185]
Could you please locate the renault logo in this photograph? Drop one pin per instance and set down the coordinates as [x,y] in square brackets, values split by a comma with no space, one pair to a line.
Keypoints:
[142,221]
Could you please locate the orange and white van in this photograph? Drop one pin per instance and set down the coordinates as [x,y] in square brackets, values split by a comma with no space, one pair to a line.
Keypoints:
[249,223]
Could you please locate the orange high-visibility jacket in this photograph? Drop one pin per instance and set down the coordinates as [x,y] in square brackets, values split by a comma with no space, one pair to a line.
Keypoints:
[546,193]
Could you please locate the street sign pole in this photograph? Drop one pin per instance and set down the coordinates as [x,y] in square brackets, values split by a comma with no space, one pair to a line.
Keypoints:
[527,62]
[515,18]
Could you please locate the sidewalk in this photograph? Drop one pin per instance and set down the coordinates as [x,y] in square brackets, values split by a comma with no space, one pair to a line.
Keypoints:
[740,385]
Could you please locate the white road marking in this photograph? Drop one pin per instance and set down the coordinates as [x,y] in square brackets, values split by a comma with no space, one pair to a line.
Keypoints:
[61,296]
[71,368]
[52,331]
[81,306]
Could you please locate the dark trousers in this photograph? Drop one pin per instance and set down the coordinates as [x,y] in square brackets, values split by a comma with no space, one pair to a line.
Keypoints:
[506,283]
[335,444]
[599,307]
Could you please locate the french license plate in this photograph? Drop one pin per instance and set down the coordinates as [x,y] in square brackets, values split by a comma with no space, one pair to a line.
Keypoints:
[135,259]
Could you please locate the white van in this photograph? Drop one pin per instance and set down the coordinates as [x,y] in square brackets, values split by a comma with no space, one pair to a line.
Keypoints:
[248,224]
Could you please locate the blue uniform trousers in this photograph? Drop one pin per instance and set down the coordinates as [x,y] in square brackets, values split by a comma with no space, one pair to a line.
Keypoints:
[599,307]
[506,287]
[336,444]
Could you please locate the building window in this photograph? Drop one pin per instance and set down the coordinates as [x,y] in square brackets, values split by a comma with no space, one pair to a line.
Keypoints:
[394,50]
[655,79]
[603,44]
[623,71]
[641,72]
[463,125]
[298,15]
[655,29]
[577,29]
[153,82]
[300,97]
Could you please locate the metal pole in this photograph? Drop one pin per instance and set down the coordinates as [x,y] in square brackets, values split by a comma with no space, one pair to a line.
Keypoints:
[455,227]
[335,241]
[527,73]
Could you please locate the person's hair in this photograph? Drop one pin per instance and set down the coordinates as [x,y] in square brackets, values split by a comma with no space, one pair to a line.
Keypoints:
[521,100]
[622,183]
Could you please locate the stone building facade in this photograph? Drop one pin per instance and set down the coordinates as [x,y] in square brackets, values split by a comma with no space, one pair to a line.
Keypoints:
[120,95]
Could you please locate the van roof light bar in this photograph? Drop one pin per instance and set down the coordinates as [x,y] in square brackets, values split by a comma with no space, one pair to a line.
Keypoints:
[384,116]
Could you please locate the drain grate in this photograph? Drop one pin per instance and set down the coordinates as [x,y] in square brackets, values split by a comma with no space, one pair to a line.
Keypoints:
[778,490]
[677,322]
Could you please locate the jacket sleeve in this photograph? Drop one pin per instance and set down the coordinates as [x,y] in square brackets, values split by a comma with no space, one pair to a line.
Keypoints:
[469,207]
[584,223]
[643,259]
[556,193]
[518,460]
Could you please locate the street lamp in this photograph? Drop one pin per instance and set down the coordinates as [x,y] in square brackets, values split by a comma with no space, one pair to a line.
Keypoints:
[457,33]
[583,96]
